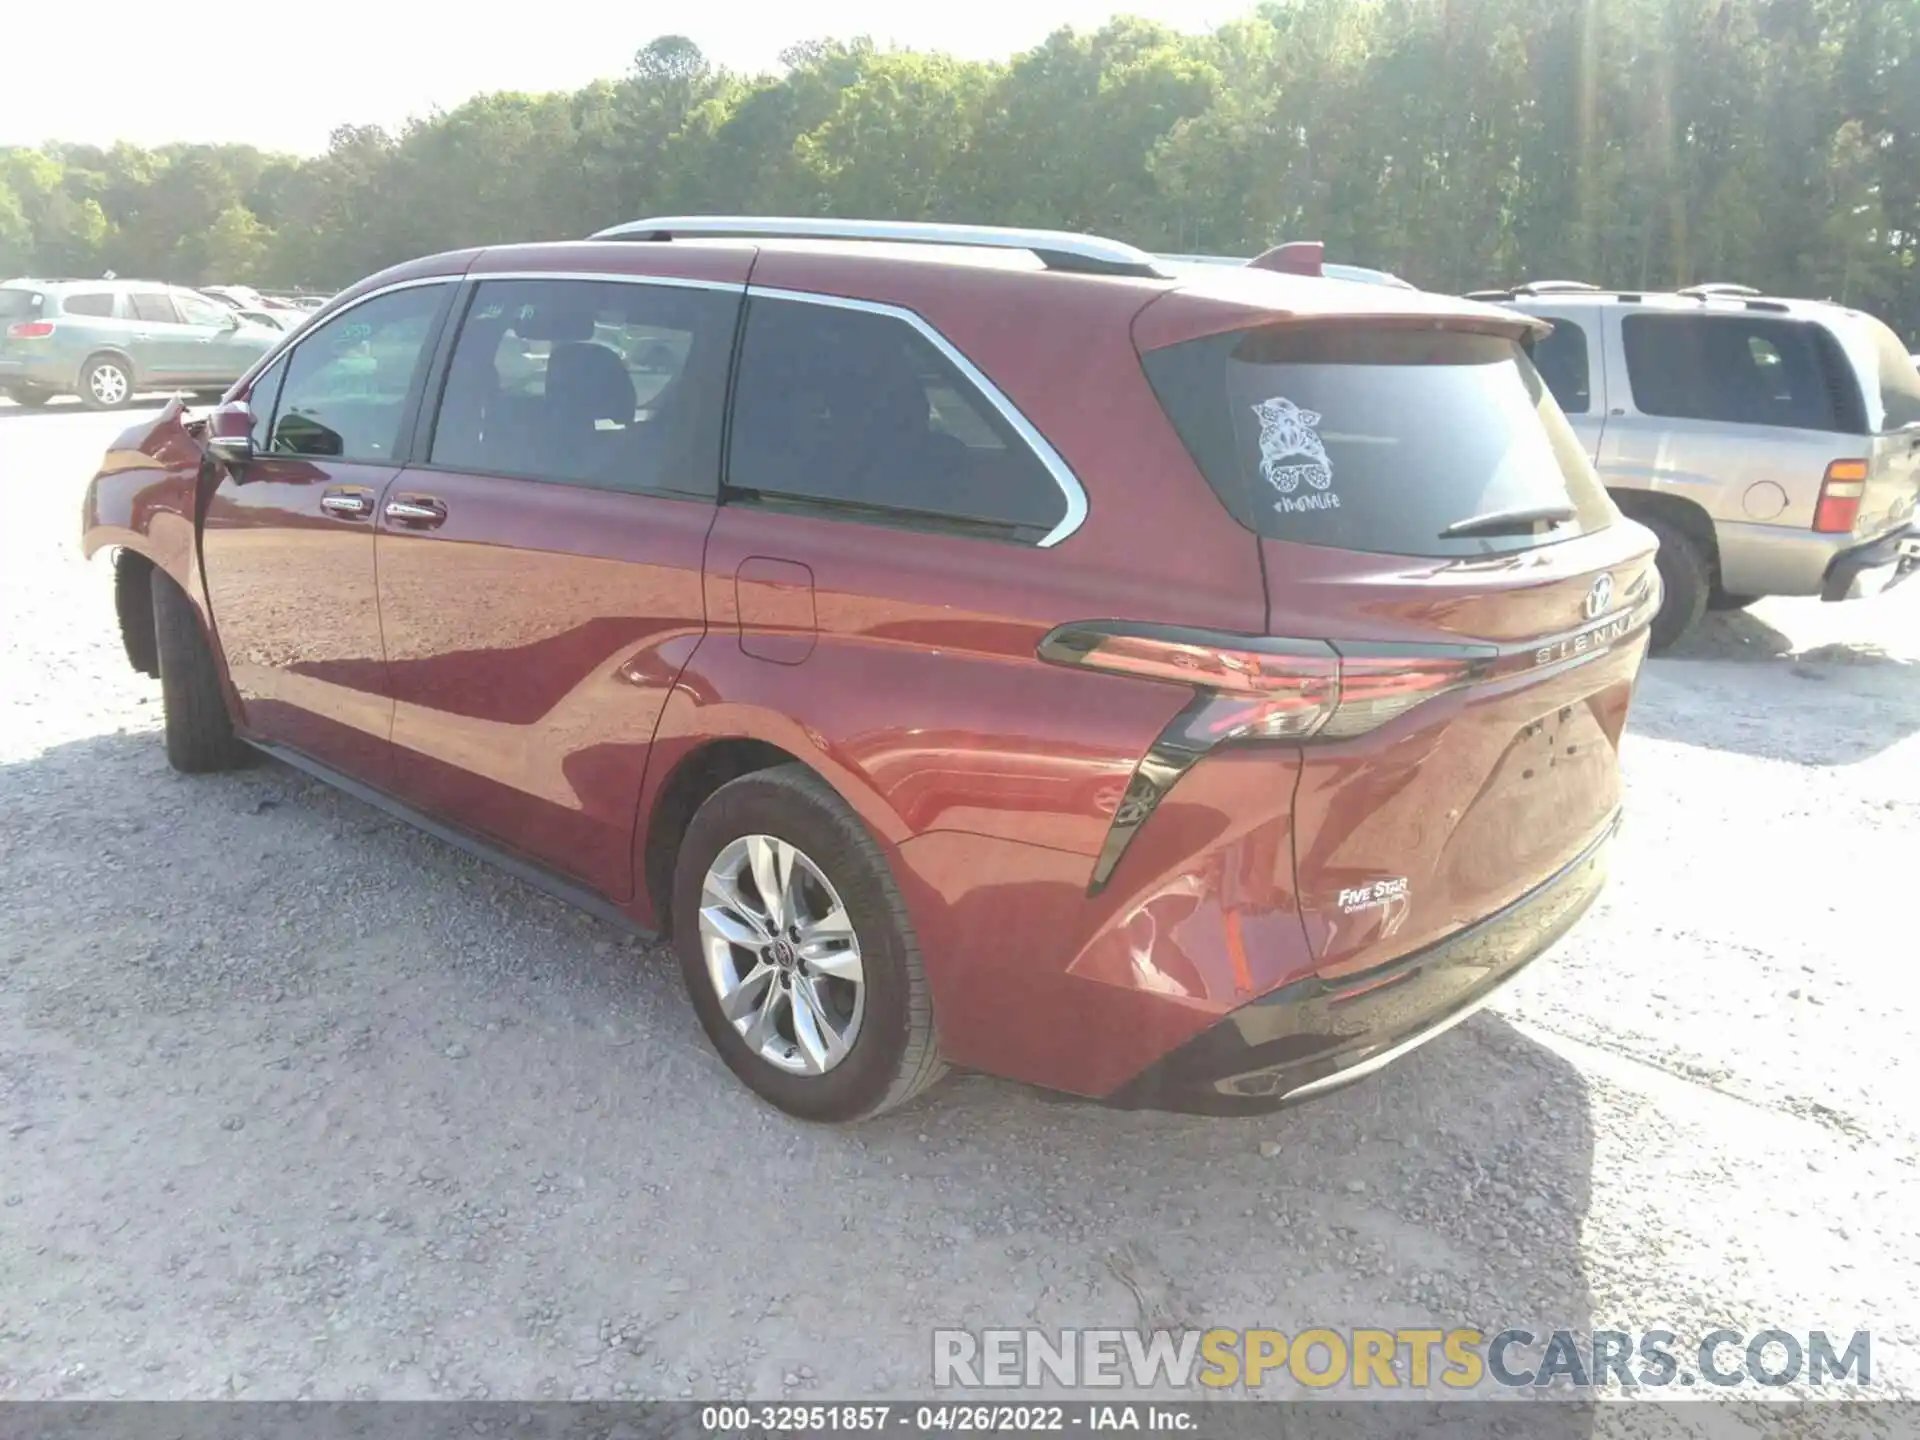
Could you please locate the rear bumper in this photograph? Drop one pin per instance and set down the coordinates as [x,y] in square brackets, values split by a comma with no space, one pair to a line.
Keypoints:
[1318,1035]
[44,371]
[1871,568]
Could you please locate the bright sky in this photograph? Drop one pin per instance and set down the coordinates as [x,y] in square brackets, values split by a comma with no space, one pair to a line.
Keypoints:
[281,76]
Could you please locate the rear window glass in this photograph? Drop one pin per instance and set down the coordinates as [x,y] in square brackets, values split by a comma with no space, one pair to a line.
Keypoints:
[1739,369]
[1379,440]
[1893,384]
[1561,359]
[20,304]
[91,302]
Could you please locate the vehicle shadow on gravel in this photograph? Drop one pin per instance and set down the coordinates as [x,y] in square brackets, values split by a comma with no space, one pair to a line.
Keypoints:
[366,1044]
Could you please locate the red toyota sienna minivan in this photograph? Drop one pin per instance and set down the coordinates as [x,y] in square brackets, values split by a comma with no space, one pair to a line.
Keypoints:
[1186,686]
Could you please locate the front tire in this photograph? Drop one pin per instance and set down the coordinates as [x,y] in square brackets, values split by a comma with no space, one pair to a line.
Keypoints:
[106,383]
[797,951]
[199,730]
[1722,600]
[1686,579]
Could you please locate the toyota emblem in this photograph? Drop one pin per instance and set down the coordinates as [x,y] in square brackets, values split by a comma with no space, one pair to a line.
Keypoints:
[1600,597]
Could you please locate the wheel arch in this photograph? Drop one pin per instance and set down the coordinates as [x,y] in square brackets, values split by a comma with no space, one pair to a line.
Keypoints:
[133,605]
[1689,517]
[694,776]
[107,352]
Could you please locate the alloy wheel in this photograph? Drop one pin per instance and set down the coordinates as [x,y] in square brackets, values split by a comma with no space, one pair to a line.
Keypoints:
[108,384]
[782,955]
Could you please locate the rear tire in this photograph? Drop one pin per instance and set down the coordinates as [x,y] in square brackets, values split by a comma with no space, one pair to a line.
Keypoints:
[1686,580]
[106,383]
[30,397]
[1721,600]
[199,730]
[893,1053]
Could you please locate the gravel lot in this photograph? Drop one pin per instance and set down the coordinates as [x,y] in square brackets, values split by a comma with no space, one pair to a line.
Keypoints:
[297,1102]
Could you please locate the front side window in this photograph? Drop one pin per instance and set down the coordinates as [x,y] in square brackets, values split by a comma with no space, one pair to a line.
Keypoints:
[262,396]
[861,412]
[612,384]
[197,310]
[1740,369]
[154,307]
[346,388]
[96,303]
[1561,359]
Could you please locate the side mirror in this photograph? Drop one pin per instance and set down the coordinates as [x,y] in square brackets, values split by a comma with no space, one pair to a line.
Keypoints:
[229,320]
[230,434]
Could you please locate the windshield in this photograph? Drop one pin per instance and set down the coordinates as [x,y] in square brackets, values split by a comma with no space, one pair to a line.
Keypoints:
[1379,440]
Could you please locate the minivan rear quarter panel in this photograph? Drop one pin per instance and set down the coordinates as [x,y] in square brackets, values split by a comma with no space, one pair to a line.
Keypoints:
[992,777]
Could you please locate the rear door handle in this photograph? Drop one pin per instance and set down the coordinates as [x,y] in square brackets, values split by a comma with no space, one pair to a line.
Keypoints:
[347,504]
[421,512]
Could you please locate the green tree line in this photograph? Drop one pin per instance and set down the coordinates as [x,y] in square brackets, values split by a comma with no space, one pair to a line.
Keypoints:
[1461,143]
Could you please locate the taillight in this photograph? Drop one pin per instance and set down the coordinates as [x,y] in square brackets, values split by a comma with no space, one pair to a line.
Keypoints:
[1252,687]
[30,330]
[1840,493]
[1276,689]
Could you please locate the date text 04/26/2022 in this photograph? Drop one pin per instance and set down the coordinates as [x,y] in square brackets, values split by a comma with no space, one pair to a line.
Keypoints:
[944,1418]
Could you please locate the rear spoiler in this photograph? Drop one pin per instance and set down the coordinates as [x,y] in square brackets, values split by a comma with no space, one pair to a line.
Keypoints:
[1298,257]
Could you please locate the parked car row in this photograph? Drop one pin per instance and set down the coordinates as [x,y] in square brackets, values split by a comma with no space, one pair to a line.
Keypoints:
[105,340]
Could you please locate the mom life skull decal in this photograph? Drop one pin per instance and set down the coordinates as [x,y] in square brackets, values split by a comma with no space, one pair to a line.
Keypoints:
[1290,451]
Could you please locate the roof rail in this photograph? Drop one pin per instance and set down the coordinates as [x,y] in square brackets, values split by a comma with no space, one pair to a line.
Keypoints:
[1056,249]
[1556,287]
[1715,290]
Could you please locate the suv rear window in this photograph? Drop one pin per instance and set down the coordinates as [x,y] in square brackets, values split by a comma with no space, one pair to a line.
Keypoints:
[20,304]
[1377,440]
[1740,369]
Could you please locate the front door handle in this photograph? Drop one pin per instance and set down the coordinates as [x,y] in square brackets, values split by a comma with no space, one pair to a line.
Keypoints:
[347,504]
[420,511]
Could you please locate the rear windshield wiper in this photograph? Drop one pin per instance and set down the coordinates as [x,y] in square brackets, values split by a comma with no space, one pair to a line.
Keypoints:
[1507,522]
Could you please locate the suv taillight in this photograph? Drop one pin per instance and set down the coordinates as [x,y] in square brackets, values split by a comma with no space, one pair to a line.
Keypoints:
[30,330]
[1840,494]
[1252,687]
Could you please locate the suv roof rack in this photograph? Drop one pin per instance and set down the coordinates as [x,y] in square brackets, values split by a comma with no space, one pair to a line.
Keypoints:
[1715,290]
[1536,287]
[1056,249]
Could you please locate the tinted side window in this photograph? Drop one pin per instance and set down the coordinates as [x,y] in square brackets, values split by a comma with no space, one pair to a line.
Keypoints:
[153,305]
[347,383]
[1745,370]
[93,302]
[262,396]
[611,384]
[1561,359]
[198,310]
[862,410]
